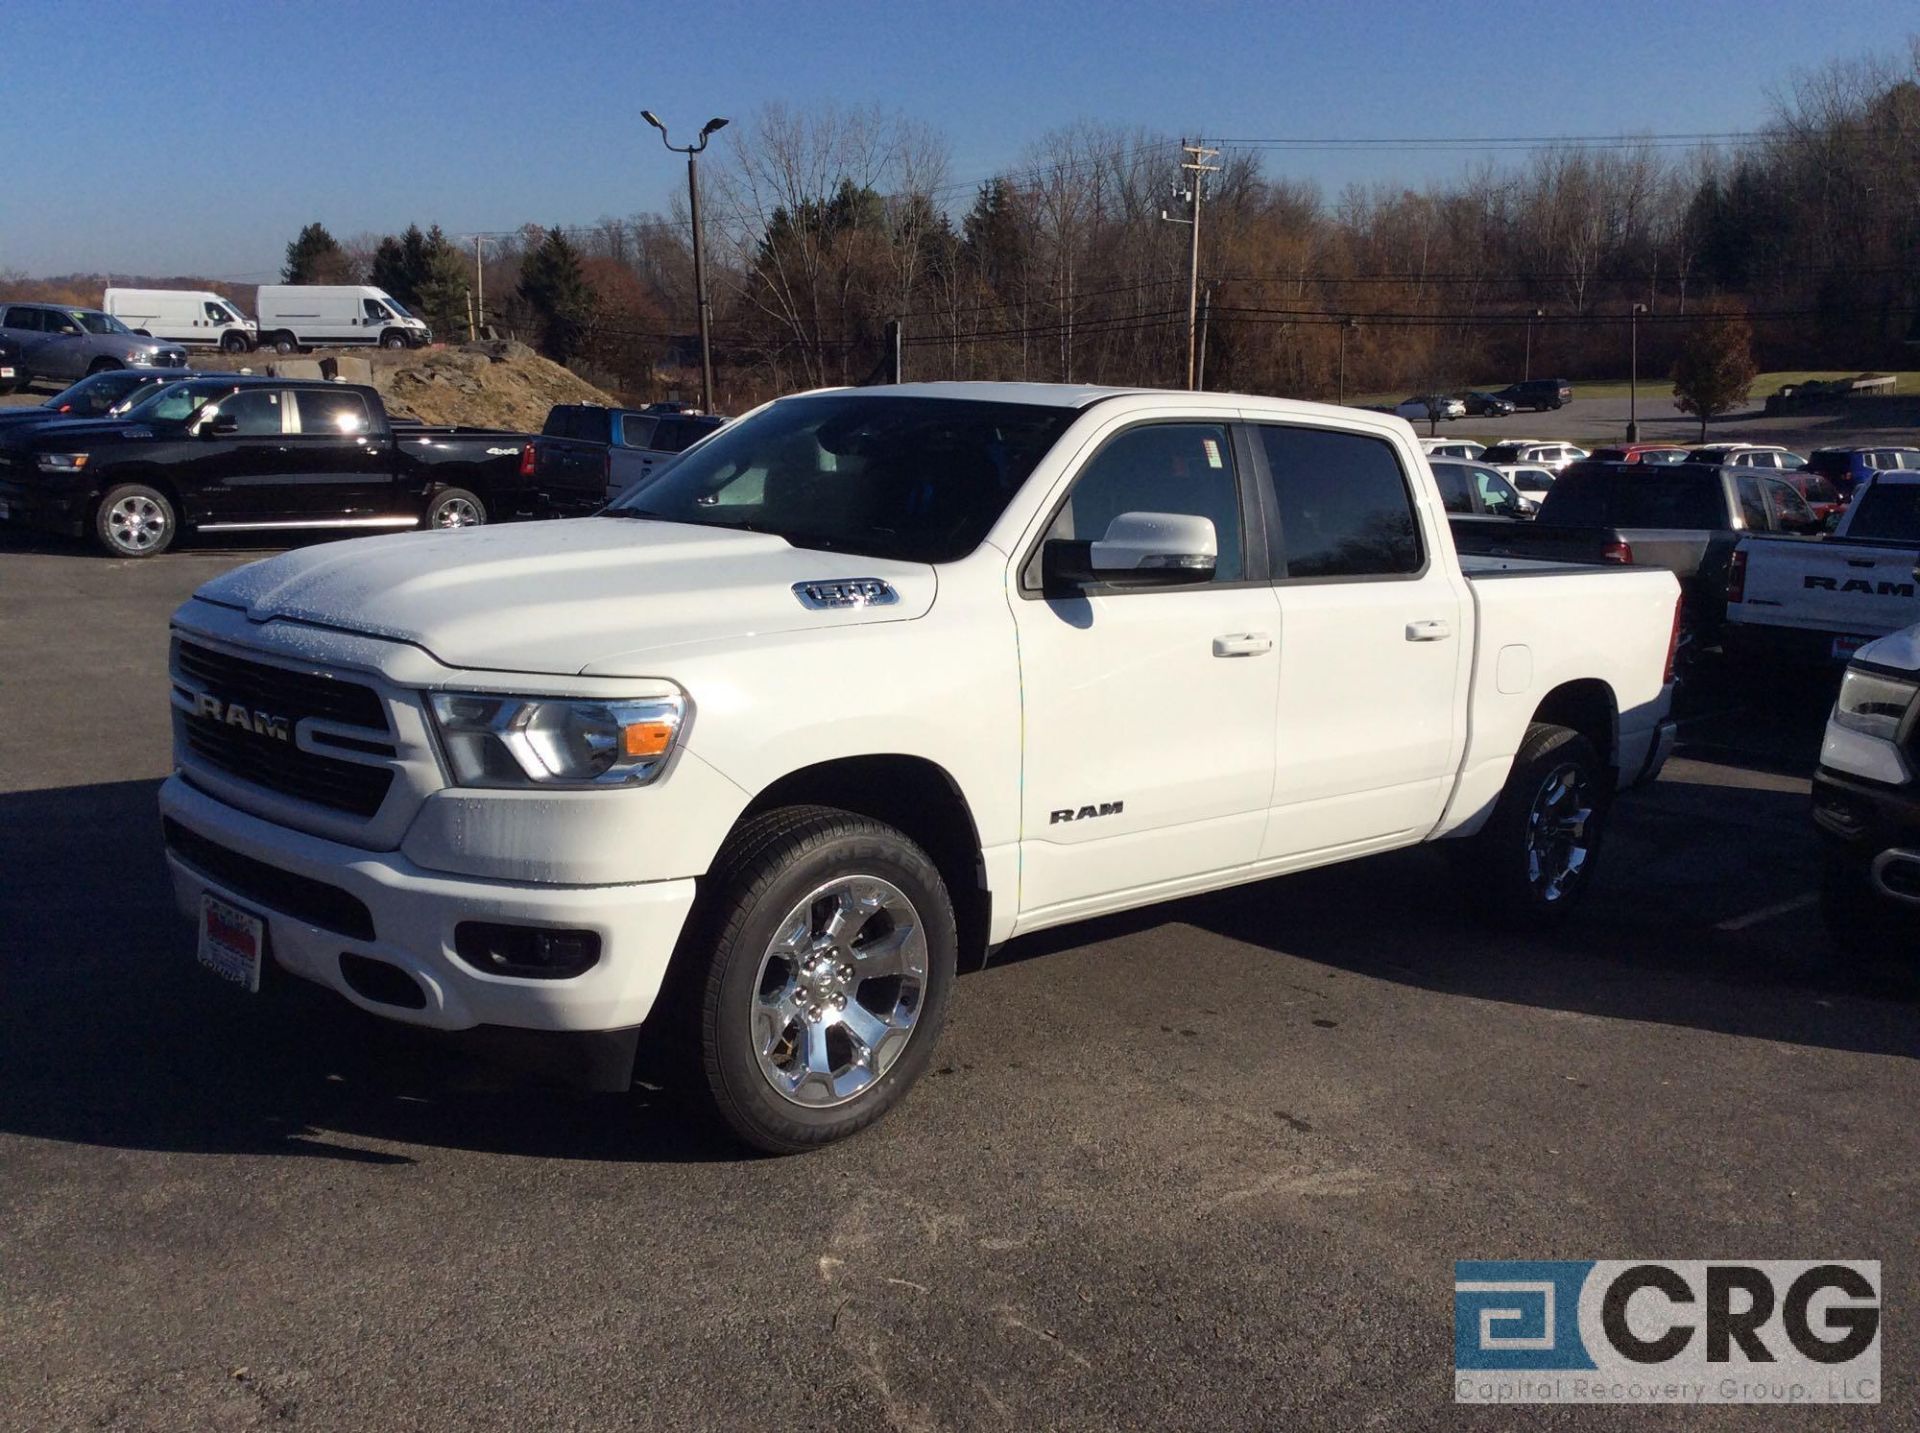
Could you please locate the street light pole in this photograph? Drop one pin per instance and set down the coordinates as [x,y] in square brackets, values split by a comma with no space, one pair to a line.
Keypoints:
[1526,370]
[699,258]
[1346,328]
[1633,372]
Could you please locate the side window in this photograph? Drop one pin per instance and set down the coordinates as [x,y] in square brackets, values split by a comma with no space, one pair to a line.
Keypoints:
[1791,507]
[256,410]
[24,318]
[372,311]
[636,431]
[1344,506]
[215,313]
[332,413]
[1455,495]
[1164,468]
[1753,504]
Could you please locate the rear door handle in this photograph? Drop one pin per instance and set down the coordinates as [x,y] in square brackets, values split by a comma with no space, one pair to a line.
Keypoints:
[1242,644]
[1437,630]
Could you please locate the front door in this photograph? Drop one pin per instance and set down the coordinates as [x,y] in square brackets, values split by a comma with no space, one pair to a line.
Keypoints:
[243,476]
[1374,645]
[1148,713]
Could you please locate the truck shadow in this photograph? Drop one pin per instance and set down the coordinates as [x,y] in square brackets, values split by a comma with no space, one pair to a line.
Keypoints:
[110,1034]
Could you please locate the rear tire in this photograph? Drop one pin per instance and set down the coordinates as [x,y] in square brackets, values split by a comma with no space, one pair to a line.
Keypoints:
[455,507]
[285,343]
[1534,859]
[826,948]
[134,520]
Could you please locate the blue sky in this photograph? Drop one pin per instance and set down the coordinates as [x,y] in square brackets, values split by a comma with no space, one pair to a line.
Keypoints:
[198,137]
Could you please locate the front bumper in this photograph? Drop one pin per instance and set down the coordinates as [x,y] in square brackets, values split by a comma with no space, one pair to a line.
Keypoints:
[409,919]
[34,506]
[1869,816]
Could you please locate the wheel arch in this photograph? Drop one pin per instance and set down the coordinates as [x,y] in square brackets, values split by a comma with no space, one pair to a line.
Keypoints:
[915,795]
[144,475]
[1588,706]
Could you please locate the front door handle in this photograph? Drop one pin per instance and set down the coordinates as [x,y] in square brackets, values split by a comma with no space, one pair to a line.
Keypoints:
[1242,644]
[1436,630]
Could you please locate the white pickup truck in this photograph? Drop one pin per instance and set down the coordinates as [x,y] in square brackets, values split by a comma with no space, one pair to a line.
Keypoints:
[864,685]
[1824,598]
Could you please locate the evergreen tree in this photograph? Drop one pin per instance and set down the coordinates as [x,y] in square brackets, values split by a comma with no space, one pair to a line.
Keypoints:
[554,286]
[440,292]
[315,257]
[389,270]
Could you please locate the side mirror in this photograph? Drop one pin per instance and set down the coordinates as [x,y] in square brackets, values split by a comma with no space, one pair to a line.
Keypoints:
[1140,549]
[224,425]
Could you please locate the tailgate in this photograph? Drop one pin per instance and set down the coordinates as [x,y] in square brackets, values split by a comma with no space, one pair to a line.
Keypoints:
[571,471]
[1829,586]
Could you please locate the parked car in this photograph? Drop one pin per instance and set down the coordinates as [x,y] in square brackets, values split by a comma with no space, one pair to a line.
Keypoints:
[1641,453]
[13,370]
[191,317]
[1539,394]
[1866,804]
[96,397]
[584,442]
[1532,482]
[1534,452]
[1421,409]
[1477,493]
[1825,600]
[1487,405]
[1451,447]
[243,454]
[1748,455]
[60,342]
[1847,468]
[1688,518]
[296,317]
[591,767]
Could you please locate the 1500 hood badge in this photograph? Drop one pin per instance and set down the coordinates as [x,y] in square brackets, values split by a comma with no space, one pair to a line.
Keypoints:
[846,592]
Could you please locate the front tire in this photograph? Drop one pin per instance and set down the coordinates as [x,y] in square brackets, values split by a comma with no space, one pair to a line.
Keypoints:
[827,949]
[1534,859]
[455,507]
[234,343]
[393,340]
[134,520]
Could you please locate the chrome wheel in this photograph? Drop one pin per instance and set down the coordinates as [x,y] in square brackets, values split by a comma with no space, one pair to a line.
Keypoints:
[1559,832]
[839,991]
[457,512]
[137,523]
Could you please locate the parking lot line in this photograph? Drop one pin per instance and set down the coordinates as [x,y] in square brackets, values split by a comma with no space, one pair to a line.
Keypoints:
[1767,913]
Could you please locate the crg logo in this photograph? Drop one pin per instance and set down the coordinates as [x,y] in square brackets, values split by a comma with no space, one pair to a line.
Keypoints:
[206,704]
[1085,813]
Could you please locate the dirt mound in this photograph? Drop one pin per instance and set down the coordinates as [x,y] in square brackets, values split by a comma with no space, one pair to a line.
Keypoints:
[490,385]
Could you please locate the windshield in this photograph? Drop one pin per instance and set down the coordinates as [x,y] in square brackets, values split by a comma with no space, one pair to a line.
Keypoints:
[1887,511]
[399,309]
[921,479]
[177,402]
[93,396]
[93,321]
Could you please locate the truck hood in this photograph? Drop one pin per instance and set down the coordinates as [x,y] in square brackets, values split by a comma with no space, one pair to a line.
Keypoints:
[58,432]
[564,597]
[1898,651]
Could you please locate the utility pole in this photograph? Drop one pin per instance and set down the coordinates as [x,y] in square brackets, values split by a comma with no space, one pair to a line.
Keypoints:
[1347,326]
[1633,372]
[479,286]
[1206,307]
[692,152]
[1527,371]
[1196,164]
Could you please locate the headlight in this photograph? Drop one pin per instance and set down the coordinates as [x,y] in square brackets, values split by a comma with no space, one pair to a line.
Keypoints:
[140,360]
[60,462]
[553,741]
[1873,704]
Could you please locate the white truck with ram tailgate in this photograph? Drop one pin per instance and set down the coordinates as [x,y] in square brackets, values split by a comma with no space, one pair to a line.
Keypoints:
[1824,598]
[864,685]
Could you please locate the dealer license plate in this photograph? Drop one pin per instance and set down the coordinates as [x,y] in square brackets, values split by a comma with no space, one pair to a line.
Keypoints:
[1845,647]
[233,942]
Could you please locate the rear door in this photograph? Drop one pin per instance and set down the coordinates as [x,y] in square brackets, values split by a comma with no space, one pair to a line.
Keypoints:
[1374,645]
[341,468]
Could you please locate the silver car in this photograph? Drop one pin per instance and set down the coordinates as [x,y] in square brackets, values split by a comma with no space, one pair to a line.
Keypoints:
[61,342]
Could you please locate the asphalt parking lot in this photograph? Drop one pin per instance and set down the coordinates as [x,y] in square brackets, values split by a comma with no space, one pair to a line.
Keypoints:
[1208,1165]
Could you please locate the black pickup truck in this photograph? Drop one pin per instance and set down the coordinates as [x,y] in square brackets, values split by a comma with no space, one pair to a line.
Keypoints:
[244,454]
[584,443]
[1685,517]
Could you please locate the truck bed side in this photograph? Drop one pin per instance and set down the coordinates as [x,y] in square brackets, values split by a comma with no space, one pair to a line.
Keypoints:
[1548,632]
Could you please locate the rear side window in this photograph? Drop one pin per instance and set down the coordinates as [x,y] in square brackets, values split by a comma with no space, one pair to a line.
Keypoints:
[1345,510]
[1886,511]
[26,318]
[1753,504]
[635,431]
[332,413]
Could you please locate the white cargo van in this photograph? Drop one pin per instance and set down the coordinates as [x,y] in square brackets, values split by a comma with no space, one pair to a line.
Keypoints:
[190,316]
[301,316]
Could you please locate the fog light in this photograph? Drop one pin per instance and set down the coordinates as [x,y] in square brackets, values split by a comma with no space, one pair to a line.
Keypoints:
[529,952]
